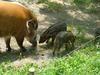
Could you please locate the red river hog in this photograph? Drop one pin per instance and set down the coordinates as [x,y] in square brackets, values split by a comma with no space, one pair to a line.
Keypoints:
[18,21]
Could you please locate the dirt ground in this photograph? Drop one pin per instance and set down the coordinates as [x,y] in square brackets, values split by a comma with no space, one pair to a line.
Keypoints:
[86,21]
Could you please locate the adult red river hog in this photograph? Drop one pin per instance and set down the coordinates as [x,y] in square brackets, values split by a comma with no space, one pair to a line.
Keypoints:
[18,21]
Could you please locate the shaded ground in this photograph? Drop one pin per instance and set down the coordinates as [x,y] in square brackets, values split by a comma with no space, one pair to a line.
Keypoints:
[70,14]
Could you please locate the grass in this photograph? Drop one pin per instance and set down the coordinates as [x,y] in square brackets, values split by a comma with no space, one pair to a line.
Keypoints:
[52,6]
[10,70]
[85,61]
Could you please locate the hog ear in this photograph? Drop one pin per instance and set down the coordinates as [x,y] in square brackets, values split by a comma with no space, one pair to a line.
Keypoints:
[27,25]
[32,24]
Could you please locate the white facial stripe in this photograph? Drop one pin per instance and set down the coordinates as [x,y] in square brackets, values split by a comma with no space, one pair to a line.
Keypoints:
[28,25]
[30,20]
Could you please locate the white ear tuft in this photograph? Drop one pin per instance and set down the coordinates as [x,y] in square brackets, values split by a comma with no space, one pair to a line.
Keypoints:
[27,24]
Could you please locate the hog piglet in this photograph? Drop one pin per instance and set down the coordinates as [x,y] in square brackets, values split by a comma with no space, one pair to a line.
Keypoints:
[66,38]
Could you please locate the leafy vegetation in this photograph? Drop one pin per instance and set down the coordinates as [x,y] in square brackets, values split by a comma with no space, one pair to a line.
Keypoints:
[43,1]
[54,7]
[51,6]
[86,1]
[10,70]
[89,5]
[82,1]
[83,62]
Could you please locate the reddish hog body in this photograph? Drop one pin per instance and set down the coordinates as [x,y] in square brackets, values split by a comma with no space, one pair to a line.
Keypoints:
[16,20]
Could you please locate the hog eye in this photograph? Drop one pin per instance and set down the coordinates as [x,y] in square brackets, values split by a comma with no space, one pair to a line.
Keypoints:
[31,23]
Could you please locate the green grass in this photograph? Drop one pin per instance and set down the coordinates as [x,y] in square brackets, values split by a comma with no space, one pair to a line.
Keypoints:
[11,70]
[85,61]
[52,6]
[81,62]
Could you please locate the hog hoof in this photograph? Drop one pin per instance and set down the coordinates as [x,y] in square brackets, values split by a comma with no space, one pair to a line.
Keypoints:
[9,50]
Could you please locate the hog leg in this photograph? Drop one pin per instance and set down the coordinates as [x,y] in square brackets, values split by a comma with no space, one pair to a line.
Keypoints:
[53,38]
[7,40]
[66,46]
[73,46]
[57,46]
[56,42]
[20,43]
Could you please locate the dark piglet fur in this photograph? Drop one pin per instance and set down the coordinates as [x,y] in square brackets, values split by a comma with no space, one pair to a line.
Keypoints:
[66,38]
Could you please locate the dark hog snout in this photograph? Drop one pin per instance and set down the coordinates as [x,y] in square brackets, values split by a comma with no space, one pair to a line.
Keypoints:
[43,38]
[34,42]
